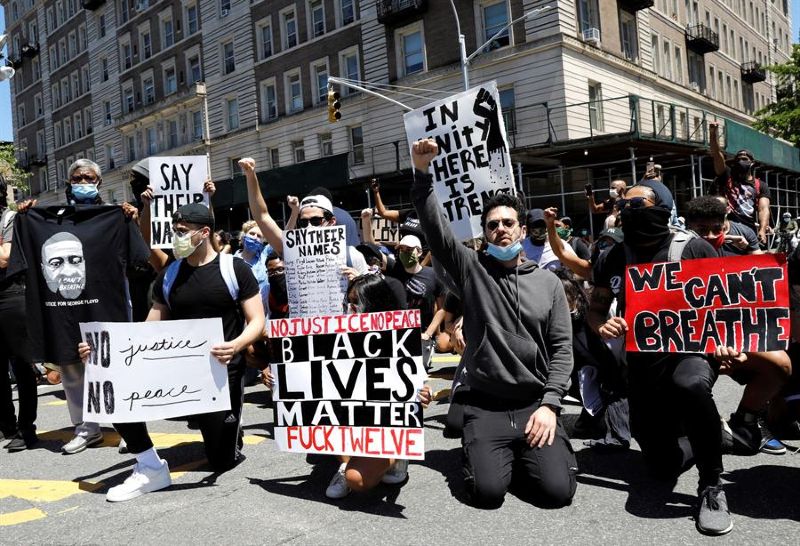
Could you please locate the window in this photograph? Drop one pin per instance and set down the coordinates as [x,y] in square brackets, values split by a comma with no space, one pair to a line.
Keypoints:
[347,11]
[656,52]
[628,35]
[667,60]
[232,109]
[507,107]
[588,15]
[265,34]
[104,69]
[82,39]
[131,149]
[696,71]
[124,11]
[192,25]
[167,33]
[107,112]
[595,106]
[128,99]
[236,170]
[494,18]
[37,105]
[101,25]
[152,141]
[269,100]
[51,19]
[289,28]
[109,156]
[172,129]
[73,44]
[677,75]
[21,115]
[170,81]
[68,136]
[294,91]
[197,125]
[357,144]
[195,74]
[62,51]
[319,81]
[350,67]
[41,143]
[411,49]
[78,125]
[229,63]
[53,58]
[274,157]
[61,172]
[298,151]
[87,119]
[147,45]
[712,91]
[326,145]
[148,90]
[55,92]
[127,58]
[59,136]
[85,79]
[317,19]
[224,8]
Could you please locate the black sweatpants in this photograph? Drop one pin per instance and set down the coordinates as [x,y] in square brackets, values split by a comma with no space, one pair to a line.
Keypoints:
[496,454]
[14,347]
[220,429]
[670,398]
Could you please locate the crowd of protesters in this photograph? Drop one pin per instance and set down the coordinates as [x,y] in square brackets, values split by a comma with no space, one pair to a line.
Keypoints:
[535,312]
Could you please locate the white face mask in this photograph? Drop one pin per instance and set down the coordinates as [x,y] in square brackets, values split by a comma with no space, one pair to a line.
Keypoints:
[613,193]
[182,244]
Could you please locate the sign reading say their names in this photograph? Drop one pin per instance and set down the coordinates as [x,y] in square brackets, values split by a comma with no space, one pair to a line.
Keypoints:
[176,181]
[695,306]
[144,371]
[314,259]
[385,231]
[473,162]
[347,385]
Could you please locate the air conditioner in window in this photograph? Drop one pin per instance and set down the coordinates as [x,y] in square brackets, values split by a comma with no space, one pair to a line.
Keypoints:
[592,36]
[695,86]
[224,13]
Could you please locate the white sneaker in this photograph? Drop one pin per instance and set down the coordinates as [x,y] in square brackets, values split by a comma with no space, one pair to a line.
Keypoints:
[397,473]
[143,480]
[338,487]
[80,443]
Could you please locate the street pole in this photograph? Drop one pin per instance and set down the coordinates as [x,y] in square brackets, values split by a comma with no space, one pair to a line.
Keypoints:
[462,45]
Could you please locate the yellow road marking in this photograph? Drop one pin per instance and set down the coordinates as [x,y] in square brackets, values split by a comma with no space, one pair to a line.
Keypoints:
[161,440]
[446,358]
[22,516]
[184,468]
[68,510]
[57,403]
[44,490]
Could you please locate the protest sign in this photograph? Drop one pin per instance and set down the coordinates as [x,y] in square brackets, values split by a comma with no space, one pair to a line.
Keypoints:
[694,306]
[144,371]
[314,259]
[176,181]
[473,161]
[385,231]
[347,384]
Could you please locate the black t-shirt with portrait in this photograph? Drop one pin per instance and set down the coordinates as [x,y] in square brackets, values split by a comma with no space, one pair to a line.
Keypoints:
[742,197]
[422,289]
[74,260]
[201,292]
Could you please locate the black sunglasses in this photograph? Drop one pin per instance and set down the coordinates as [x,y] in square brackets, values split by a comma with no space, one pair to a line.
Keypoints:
[633,202]
[315,221]
[507,223]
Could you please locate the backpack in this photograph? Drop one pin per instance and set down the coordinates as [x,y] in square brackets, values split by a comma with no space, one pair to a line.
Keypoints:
[8,217]
[225,267]
[680,238]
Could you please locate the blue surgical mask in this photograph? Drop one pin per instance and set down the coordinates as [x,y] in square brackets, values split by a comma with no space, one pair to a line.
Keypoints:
[84,193]
[504,253]
[252,245]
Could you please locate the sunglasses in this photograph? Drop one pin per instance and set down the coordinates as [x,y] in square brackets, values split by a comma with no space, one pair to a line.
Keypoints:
[508,223]
[634,202]
[315,221]
[277,271]
[78,178]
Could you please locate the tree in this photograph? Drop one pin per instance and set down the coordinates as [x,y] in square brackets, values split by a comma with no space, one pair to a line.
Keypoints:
[16,176]
[782,118]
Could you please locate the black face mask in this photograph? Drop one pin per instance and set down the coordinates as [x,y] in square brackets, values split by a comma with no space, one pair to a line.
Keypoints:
[277,287]
[645,226]
[742,167]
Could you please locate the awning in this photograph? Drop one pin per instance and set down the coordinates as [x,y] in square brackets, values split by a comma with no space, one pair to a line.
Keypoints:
[767,150]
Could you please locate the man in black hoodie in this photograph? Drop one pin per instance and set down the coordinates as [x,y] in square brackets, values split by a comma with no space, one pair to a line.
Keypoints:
[672,410]
[518,355]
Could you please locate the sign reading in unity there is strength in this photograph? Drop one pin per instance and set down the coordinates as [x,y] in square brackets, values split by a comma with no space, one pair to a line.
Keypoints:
[473,161]
[347,384]
[176,181]
[144,371]
[695,306]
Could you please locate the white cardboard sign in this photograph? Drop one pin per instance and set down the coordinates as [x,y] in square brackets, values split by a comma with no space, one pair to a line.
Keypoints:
[176,181]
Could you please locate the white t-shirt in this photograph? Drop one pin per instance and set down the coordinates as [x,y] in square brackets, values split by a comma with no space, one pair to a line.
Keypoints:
[544,255]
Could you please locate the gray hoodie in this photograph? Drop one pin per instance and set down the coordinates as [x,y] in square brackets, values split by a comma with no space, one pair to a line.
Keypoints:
[516,321]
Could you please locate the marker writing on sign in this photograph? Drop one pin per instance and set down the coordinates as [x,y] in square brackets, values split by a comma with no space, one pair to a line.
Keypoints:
[163,345]
[159,394]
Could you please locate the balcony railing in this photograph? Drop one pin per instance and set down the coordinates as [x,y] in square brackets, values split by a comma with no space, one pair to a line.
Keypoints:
[30,50]
[92,5]
[38,161]
[701,39]
[753,72]
[636,5]
[394,11]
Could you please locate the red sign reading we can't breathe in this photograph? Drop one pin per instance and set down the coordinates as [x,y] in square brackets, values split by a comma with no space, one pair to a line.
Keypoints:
[695,306]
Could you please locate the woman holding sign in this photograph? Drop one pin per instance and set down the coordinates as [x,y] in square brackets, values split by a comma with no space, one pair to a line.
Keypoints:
[198,286]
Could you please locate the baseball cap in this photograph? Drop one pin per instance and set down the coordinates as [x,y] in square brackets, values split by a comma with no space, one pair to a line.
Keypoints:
[534,215]
[319,201]
[614,233]
[411,241]
[370,250]
[194,213]
[566,220]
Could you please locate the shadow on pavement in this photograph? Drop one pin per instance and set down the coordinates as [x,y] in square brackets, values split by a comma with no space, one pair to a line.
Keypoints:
[447,462]
[647,497]
[764,492]
[381,501]
[260,397]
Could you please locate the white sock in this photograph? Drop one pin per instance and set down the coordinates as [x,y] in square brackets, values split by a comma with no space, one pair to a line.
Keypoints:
[149,458]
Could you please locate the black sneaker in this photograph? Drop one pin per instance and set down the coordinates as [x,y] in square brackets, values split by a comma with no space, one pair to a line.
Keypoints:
[745,433]
[769,443]
[713,516]
[22,441]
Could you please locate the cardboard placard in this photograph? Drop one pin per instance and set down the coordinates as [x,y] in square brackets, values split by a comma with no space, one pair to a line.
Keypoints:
[314,259]
[385,231]
[473,161]
[144,371]
[347,385]
[176,181]
[694,306]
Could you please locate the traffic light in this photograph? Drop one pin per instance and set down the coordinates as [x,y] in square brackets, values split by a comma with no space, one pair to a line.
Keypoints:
[334,114]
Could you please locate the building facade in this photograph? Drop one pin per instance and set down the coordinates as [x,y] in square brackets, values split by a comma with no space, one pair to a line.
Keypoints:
[591,89]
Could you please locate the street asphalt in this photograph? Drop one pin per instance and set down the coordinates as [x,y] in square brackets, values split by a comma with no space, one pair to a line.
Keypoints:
[278,498]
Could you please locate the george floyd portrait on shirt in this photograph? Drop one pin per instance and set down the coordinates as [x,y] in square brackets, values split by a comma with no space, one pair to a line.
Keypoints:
[63,265]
